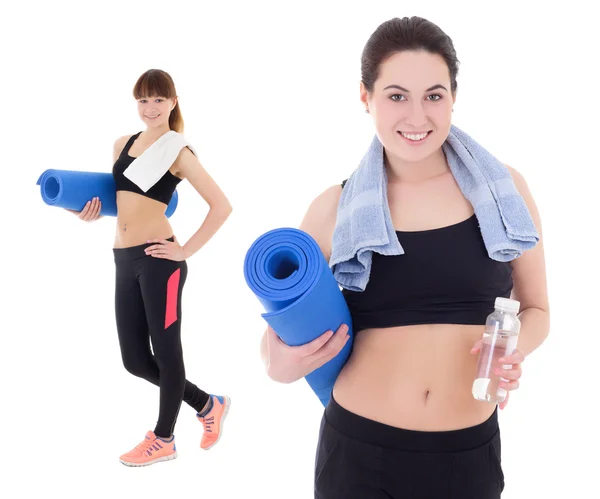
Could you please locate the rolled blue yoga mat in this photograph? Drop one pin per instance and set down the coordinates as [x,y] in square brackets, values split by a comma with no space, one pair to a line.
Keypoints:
[72,189]
[289,275]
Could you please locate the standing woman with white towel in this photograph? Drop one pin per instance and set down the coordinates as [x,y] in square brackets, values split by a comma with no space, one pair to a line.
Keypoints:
[402,420]
[151,264]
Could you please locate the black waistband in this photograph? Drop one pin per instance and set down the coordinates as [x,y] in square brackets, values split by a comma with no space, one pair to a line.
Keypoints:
[132,252]
[382,435]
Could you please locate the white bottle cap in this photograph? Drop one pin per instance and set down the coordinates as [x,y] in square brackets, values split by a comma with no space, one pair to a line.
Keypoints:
[507,305]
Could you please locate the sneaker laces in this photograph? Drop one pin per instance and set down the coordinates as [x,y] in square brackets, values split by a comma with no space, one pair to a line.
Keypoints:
[208,423]
[144,445]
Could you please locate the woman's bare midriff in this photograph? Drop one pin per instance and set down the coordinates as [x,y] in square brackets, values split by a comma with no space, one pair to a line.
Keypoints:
[139,220]
[414,377]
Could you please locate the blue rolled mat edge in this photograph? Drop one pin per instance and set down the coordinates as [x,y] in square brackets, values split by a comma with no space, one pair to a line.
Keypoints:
[71,189]
[319,306]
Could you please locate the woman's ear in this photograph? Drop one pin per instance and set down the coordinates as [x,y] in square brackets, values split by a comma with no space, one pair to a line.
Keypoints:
[364,96]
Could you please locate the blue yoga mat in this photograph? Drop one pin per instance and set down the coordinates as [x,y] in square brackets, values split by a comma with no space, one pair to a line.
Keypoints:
[289,275]
[72,189]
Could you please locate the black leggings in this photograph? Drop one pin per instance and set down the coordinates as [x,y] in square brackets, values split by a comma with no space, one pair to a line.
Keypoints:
[148,307]
[359,458]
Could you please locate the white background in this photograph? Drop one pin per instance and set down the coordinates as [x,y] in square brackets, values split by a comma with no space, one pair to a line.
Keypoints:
[270,98]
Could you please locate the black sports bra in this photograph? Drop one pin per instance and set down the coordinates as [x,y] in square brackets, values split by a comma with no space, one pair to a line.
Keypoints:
[161,191]
[445,276]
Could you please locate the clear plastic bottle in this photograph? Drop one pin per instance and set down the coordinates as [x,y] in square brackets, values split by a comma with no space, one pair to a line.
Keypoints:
[499,340]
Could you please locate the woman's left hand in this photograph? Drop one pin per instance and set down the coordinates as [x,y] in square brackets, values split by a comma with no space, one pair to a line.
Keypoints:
[511,375]
[171,250]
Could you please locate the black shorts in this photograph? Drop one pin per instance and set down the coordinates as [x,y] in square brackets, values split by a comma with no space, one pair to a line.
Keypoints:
[361,458]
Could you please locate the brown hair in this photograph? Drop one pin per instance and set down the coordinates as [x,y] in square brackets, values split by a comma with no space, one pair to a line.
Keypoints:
[399,35]
[158,83]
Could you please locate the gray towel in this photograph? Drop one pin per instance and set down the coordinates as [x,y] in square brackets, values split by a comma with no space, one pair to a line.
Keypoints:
[364,223]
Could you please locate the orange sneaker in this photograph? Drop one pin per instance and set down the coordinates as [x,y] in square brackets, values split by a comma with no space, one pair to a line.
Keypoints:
[213,421]
[151,450]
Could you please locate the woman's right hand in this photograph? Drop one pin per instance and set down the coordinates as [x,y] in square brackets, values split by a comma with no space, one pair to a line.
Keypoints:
[287,364]
[90,212]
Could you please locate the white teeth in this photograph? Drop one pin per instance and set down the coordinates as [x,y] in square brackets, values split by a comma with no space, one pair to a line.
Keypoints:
[421,136]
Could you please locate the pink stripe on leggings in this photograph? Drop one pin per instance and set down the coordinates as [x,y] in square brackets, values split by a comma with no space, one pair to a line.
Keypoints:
[172,294]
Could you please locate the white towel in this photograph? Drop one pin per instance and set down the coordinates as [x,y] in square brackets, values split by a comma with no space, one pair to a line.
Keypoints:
[154,162]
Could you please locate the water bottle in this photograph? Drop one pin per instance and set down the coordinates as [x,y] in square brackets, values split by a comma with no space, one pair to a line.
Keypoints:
[500,337]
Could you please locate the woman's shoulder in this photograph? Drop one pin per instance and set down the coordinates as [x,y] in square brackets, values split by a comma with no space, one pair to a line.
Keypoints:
[321,216]
[521,185]
[119,145]
[327,201]
[122,140]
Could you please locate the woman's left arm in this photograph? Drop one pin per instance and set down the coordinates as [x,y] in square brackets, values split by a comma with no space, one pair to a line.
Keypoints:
[190,168]
[530,289]
[530,286]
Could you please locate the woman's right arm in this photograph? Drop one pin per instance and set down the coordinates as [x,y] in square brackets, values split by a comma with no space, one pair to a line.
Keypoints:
[287,364]
[91,210]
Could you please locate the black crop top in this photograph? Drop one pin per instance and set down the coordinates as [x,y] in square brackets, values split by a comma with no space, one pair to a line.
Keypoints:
[161,191]
[445,276]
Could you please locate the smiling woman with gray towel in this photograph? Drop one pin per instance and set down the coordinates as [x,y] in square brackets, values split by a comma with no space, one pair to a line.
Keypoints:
[423,237]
